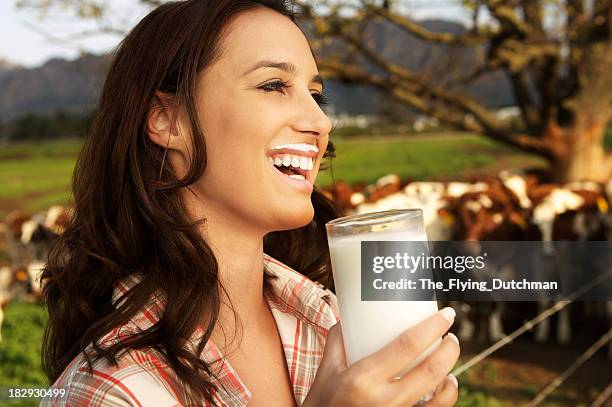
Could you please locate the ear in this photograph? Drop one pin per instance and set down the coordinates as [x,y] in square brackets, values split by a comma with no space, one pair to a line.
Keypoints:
[160,126]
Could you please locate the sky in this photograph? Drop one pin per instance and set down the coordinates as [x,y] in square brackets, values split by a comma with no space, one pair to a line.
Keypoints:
[30,41]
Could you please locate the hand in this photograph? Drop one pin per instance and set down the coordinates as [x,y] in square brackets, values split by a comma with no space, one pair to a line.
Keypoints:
[370,381]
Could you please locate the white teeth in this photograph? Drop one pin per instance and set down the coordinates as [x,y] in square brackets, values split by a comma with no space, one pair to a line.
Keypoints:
[297,176]
[288,160]
[304,163]
[300,147]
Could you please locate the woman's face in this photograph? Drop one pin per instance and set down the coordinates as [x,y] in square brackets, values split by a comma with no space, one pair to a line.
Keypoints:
[253,114]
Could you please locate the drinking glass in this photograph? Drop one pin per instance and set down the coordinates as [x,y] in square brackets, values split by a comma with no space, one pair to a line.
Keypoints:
[367,326]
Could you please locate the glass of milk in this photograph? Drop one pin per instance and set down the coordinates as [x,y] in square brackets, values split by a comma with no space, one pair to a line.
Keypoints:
[367,326]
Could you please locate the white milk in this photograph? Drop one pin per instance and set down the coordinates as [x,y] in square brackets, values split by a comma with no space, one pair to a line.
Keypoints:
[367,326]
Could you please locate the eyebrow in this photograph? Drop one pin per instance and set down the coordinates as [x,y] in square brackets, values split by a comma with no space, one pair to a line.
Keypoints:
[283,66]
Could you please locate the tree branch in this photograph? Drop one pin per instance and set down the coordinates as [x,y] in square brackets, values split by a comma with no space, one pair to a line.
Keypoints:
[506,15]
[407,79]
[336,70]
[522,94]
[532,10]
[476,73]
[418,31]
[346,73]
[527,143]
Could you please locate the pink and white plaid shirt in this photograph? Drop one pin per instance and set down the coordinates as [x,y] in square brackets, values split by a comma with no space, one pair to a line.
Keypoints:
[303,310]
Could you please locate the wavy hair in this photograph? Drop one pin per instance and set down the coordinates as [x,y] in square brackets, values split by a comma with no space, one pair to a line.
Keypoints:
[128,215]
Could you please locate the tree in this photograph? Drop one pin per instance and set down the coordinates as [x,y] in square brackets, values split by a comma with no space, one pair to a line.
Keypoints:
[560,73]
[556,54]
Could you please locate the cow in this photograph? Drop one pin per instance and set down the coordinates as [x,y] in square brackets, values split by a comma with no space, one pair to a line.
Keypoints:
[30,237]
[58,218]
[14,222]
[570,212]
[487,214]
[385,186]
[13,284]
[427,196]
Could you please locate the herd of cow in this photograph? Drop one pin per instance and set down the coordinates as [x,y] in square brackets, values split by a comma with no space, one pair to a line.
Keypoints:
[28,239]
[511,206]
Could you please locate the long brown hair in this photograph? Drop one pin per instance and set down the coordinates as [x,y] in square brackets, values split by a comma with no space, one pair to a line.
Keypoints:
[128,215]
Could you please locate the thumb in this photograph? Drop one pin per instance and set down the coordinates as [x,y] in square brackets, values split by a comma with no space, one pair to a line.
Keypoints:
[334,356]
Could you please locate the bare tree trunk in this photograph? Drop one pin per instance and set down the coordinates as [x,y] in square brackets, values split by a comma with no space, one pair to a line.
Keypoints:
[582,156]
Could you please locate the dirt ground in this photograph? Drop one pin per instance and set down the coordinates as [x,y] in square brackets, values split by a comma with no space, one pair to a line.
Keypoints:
[517,372]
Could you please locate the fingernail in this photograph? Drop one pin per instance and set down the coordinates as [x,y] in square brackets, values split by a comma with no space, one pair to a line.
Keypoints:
[453,379]
[448,313]
[453,337]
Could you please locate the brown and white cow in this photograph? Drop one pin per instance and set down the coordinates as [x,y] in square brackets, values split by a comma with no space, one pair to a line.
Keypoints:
[570,212]
[489,214]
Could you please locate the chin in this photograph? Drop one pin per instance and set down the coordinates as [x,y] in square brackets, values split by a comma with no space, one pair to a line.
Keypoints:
[295,217]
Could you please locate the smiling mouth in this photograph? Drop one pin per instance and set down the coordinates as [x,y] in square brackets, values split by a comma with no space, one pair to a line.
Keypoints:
[292,172]
[292,165]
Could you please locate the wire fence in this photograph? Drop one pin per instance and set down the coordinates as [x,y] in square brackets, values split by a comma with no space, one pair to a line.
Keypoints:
[529,325]
[603,396]
[571,369]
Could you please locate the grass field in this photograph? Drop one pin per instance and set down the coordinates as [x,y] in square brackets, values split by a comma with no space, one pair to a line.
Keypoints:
[34,176]
[446,156]
[20,350]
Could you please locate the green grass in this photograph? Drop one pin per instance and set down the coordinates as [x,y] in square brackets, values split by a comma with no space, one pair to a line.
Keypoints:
[48,148]
[20,365]
[47,200]
[608,139]
[474,398]
[36,175]
[423,157]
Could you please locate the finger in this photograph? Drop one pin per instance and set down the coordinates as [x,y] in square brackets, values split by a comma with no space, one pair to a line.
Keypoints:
[430,394]
[397,355]
[446,394]
[333,354]
[427,374]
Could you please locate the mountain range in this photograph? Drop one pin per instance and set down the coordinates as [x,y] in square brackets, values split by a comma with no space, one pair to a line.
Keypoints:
[73,86]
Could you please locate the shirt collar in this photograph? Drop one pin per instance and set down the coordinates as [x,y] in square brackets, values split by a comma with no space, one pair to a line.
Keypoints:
[290,292]
[287,286]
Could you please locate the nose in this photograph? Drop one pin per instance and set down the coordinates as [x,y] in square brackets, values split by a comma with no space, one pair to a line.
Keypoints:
[311,118]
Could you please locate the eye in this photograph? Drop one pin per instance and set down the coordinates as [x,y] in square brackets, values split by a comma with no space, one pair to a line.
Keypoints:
[275,86]
[281,86]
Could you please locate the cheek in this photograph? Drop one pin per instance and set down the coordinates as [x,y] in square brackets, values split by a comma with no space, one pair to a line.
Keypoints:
[234,137]
[316,168]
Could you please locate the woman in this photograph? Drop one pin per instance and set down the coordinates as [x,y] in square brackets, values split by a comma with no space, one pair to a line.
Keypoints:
[160,293]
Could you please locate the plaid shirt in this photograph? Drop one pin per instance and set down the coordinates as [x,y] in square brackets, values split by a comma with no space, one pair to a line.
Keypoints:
[303,311]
